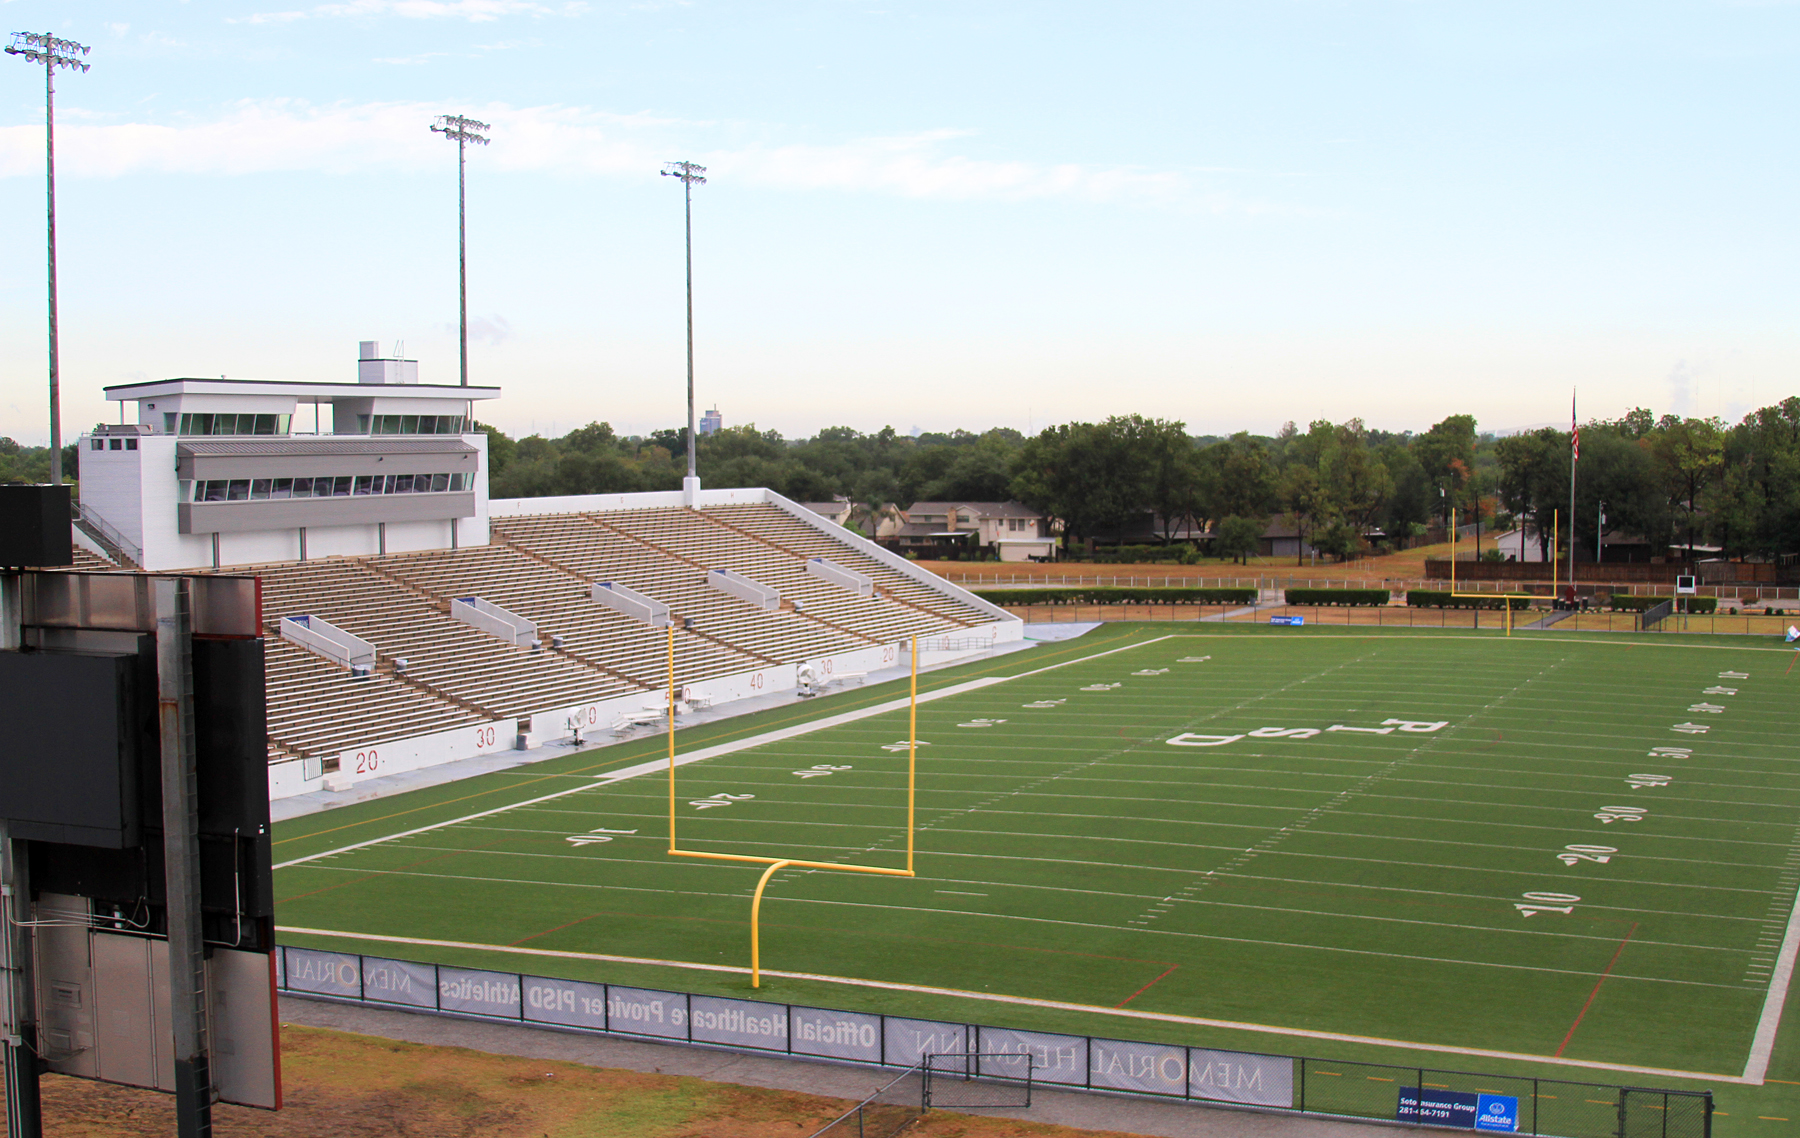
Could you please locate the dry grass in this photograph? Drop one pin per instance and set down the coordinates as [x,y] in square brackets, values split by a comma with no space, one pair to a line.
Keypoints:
[354,1086]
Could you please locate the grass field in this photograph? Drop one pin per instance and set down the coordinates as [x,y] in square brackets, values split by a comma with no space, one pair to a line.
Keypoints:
[1565,846]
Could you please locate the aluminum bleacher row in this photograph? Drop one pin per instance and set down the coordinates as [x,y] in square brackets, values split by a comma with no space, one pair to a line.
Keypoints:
[542,567]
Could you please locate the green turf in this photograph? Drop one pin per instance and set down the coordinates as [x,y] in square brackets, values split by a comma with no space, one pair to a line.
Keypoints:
[1344,882]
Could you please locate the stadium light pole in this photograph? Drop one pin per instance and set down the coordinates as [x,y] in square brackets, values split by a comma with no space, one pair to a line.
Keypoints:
[464,130]
[691,175]
[44,48]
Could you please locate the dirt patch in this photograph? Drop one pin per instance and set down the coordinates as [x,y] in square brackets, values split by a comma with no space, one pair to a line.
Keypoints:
[355,1086]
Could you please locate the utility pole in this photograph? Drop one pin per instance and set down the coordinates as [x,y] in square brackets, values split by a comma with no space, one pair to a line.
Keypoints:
[1574,456]
[464,130]
[44,48]
[691,175]
[1600,535]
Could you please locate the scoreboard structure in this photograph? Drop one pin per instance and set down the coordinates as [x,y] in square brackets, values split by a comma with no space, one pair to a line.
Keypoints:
[138,942]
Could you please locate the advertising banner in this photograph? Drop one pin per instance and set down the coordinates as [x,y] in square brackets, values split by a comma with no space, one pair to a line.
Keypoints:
[839,1035]
[567,1002]
[478,993]
[1464,1110]
[642,1011]
[741,1023]
[1237,1076]
[1153,1068]
[1054,1058]
[399,982]
[909,1040]
[327,973]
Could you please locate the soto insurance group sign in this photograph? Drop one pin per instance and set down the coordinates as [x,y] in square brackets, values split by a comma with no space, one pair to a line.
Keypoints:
[1465,1110]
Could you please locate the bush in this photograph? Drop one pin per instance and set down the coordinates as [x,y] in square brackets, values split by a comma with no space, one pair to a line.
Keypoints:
[1621,603]
[1118,596]
[1338,596]
[1435,599]
[1140,554]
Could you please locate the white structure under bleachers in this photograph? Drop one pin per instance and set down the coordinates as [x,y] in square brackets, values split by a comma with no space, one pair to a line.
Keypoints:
[744,589]
[858,583]
[632,603]
[319,635]
[495,621]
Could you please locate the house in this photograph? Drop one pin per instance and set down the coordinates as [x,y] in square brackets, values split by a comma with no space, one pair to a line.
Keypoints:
[956,530]
[838,510]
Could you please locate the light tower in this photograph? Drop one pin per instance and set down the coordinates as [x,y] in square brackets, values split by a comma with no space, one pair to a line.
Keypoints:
[691,175]
[464,130]
[44,48]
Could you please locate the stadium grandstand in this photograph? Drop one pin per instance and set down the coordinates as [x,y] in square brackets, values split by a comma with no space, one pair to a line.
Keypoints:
[412,622]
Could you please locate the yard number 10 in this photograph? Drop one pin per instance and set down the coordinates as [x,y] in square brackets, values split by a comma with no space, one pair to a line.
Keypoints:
[1536,903]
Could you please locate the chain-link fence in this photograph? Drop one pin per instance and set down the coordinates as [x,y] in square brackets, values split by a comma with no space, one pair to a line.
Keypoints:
[883,1114]
[980,1081]
[1467,1101]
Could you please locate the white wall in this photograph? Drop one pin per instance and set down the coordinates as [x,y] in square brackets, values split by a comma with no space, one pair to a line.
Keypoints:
[110,481]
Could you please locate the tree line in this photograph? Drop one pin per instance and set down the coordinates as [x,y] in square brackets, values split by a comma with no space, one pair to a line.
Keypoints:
[1341,487]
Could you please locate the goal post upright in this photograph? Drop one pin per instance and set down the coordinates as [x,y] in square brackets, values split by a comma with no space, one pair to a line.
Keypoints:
[1507,598]
[776,864]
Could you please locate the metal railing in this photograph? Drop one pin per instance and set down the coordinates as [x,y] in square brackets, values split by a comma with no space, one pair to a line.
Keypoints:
[105,534]
[1289,1083]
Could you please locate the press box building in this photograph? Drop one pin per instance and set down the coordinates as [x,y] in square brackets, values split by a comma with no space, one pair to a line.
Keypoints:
[214,472]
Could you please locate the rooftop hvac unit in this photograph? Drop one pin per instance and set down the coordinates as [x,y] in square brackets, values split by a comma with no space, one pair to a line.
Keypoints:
[841,577]
[743,588]
[632,603]
[495,621]
[316,634]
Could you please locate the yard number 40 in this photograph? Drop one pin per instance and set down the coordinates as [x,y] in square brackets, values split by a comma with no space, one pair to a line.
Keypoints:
[1536,903]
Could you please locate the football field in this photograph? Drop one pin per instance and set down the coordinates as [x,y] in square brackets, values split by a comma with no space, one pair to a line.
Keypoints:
[1575,848]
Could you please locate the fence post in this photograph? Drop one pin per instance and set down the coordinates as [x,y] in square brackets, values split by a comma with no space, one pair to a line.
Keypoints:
[1302,1084]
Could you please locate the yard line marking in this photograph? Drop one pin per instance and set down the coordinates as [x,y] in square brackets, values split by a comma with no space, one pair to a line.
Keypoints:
[1581,1015]
[1767,1024]
[1255,941]
[1024,1001]
[777,735]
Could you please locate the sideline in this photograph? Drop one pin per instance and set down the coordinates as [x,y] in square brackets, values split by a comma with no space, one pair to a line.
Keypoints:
[1025,1001]
[779,735]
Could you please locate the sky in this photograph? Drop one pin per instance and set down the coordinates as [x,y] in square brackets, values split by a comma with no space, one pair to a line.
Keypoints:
[925,215]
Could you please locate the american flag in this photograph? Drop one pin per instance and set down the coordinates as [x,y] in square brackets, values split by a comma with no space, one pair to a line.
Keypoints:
[1574,431]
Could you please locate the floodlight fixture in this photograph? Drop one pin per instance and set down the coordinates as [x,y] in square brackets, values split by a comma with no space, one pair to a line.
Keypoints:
[463,130]
[52,52]
[691,175]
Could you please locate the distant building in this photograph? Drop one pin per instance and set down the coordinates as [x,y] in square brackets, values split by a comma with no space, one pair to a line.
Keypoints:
[231,471]
[711,422]
[1013,530]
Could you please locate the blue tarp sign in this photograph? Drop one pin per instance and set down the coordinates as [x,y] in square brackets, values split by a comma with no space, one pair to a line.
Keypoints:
[1497,1112]
[1464,1110]
[1293,620]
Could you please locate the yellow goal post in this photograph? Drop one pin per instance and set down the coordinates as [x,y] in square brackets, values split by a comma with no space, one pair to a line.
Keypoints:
[1508,597]
[776,864]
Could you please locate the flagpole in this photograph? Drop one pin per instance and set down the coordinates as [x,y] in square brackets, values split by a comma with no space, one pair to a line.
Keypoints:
[1574,454]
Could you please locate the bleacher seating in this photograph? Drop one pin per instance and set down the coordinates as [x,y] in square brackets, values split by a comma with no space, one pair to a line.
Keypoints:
[316,709]
[542,567]
[785,532]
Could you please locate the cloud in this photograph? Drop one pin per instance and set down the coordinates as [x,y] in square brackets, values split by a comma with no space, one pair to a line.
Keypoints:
[475,11]
[271,135]
[493,329]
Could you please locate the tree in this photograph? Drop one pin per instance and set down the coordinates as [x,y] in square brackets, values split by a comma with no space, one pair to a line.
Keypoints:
[1090,476]
[1692,455]
[1534,478]
[1306,502]
[1238,537]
